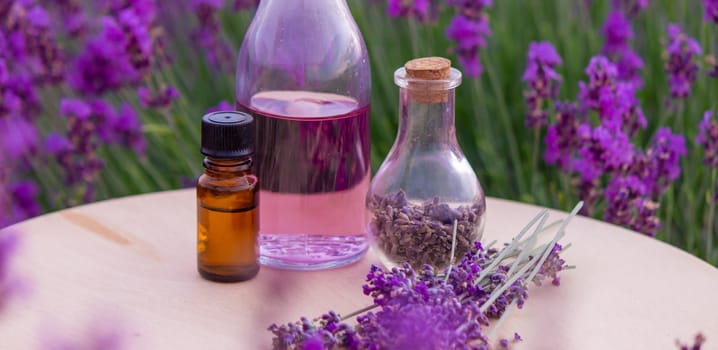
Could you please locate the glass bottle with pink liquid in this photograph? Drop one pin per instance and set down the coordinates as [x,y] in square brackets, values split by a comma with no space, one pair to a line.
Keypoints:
[303,73]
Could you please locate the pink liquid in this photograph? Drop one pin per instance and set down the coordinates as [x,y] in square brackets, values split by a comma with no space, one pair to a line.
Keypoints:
[312,160]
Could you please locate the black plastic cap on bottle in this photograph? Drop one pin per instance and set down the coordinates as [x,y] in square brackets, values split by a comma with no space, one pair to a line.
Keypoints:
[227,134]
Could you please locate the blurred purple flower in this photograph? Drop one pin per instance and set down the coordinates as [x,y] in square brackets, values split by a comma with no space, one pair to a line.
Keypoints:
[74,20]
[56,143]
[100,334]
[25,203]
[103,65]
[128,128]
[30,42]
[646,220]
[103,114]
[241,5]
[207,34]
[681,64]
[76,154]
[620,195]
[629,66]
[614,101]
[626,115]
[222,106]
[19,97]
[469,29]
[664,155]
[542,80]
[708,138]
[18,138]
[138,40]
[145,10]
[711,10]
[602,150]
[629,7]
[599,92]
[562,137]
[75,107]
[162,99]
[422,10]
[617,30]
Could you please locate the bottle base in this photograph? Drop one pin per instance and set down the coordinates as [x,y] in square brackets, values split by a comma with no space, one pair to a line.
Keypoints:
[228,274]
[310,252]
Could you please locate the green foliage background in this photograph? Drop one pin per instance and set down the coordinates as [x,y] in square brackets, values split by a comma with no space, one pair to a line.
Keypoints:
[490,109]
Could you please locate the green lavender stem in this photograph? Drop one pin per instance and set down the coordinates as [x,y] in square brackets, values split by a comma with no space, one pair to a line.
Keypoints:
[359,312]
[669,217]
[710,219]
[534,159]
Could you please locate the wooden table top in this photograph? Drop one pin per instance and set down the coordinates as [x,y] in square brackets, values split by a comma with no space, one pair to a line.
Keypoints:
[132,261]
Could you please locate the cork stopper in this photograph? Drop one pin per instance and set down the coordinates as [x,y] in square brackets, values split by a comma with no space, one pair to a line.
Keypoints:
[428,68]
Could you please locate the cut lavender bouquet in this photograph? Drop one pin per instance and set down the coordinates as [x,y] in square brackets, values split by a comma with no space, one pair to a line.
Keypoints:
[445,309]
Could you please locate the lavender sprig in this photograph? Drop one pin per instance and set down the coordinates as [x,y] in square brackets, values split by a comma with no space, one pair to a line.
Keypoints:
[422,309]
[681,56]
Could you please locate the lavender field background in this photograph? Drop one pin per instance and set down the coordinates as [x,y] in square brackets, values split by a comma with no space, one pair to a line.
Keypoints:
[563,100]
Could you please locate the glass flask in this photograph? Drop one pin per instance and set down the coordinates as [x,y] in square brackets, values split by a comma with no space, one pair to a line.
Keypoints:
[425,185]
[303,73]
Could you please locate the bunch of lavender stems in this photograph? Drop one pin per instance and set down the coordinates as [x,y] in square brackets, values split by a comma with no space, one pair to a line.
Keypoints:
[522,260]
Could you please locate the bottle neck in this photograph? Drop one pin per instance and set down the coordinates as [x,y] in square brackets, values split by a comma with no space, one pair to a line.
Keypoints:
[305,6]
[229,166]
[422,123]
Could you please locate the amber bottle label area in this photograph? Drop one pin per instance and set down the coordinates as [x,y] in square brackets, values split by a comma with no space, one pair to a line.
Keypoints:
[227,225]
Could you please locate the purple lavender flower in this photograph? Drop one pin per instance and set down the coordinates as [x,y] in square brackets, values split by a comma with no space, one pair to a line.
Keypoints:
[221,106]
[712,66]
[630,7]
[76,154]
[708,138]
[711,10]
[138,39]
[626,114]
[469,29]
[103,65]
[419,309]
[241,5]
[646,220]
[562,139]
[56,143]
[614,101]
[163,98]
[18,138]
[25,203]
[128,128]
[602,150]
[617,31]
[423,10]
[19,97]
[629,66]
[681,62]
[74,20]
[29,40]
[620,195]
[664,155]
[146,10]
[542,81]
[207,35]
[598,94]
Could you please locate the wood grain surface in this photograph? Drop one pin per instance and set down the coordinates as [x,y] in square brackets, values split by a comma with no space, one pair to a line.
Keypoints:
[129,264]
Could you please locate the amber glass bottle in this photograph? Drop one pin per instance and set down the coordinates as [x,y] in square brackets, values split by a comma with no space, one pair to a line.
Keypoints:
[227,194]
